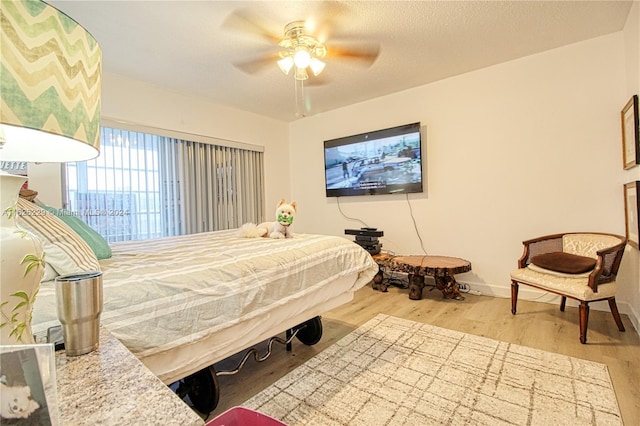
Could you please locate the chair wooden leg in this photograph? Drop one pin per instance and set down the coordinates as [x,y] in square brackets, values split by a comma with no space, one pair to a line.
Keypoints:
[514,296]
[584,320]
[563,303]
[616,315]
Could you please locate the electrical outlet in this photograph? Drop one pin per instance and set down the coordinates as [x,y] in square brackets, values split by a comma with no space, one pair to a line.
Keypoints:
[463,287]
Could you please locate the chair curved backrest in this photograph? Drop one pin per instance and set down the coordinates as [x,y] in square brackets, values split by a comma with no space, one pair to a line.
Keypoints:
[588,244]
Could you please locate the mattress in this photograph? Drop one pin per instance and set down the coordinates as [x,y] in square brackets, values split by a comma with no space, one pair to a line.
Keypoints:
[164,295]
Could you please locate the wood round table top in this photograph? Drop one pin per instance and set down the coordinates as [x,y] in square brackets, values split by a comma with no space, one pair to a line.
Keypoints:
[428,265]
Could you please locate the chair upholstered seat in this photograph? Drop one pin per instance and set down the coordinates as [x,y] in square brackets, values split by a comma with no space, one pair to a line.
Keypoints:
[576,288]
[597,284]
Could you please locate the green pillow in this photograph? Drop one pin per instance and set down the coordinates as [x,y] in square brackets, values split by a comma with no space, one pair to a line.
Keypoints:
[97,243]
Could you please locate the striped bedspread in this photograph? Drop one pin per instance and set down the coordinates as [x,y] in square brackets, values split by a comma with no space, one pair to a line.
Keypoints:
[160,294]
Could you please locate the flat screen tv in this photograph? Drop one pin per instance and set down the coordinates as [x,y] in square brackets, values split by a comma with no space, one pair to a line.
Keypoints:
[387,161]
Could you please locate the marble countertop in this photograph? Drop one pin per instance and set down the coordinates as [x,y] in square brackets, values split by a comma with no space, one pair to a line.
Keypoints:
[111,386]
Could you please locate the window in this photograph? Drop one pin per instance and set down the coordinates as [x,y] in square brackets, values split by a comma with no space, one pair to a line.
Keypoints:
[148,186]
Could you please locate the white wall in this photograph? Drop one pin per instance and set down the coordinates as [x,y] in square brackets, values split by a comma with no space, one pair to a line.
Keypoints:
[630,273]
[140,103]
[518,150]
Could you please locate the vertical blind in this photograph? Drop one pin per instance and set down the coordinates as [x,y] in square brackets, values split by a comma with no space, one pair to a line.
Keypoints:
[148,186]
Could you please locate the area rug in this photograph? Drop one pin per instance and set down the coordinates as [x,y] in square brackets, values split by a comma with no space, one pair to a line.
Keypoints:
[393,371]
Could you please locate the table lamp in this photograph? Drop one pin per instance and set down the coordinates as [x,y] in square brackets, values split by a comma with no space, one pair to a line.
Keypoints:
[50,80]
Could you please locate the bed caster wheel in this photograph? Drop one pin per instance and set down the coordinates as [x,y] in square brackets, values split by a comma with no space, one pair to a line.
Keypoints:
[310,332]
[202,388]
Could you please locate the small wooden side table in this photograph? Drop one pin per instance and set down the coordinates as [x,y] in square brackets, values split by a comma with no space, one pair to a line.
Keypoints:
[441,268]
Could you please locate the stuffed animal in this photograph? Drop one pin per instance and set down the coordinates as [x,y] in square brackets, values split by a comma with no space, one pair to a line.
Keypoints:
[281,228]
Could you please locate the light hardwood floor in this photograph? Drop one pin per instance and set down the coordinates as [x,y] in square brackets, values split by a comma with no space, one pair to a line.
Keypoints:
[536,325]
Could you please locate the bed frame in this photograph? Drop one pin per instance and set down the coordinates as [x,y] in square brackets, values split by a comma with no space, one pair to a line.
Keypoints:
[200,381]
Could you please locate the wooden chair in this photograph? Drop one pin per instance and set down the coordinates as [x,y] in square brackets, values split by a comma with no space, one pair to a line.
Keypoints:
[560,264]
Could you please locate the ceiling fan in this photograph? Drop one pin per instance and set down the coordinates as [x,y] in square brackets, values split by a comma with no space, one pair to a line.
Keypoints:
[299,50]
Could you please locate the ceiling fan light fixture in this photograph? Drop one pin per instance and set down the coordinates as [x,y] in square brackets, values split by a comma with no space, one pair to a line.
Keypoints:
[302,58]
[316,66]
[285,64]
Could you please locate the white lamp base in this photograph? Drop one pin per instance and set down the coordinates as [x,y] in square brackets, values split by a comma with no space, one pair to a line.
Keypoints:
[21,267]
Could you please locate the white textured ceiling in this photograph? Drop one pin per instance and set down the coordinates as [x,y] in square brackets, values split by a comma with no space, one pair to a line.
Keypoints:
[185,47]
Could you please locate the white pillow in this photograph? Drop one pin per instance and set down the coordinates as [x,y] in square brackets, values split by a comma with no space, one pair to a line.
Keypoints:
[65,251]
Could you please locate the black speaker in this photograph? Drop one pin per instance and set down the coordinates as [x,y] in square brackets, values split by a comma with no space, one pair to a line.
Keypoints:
[367,238]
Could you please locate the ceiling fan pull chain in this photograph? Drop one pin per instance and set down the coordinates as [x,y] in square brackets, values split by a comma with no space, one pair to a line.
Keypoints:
[299,94]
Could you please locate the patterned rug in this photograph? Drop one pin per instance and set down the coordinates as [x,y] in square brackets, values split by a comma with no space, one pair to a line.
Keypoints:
[393,371]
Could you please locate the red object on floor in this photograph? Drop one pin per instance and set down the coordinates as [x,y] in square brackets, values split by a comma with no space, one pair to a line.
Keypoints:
[240,416]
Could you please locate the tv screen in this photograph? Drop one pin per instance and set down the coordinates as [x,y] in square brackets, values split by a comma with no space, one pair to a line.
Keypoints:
[387,161]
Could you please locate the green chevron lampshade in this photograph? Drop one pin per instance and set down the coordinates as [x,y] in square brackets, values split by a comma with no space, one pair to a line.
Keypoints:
[49,85]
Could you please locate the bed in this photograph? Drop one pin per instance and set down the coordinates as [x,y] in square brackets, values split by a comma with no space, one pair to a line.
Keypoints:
[181,304]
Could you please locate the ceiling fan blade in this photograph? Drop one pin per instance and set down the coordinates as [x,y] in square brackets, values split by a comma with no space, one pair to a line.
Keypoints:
[256,65]
[367,54]
[244,21]
[327,16]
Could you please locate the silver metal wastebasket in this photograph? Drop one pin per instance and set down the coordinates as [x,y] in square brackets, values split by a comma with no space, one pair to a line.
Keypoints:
[79,305]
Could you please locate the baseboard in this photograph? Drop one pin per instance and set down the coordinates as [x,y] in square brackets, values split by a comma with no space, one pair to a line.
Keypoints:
[535,295]
[634,316]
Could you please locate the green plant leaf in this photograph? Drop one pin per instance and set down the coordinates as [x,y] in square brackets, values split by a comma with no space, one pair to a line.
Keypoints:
[30,267]
[19,305]
[18,330]
[34,261]
[21,294]
[30,258]
[10,211]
